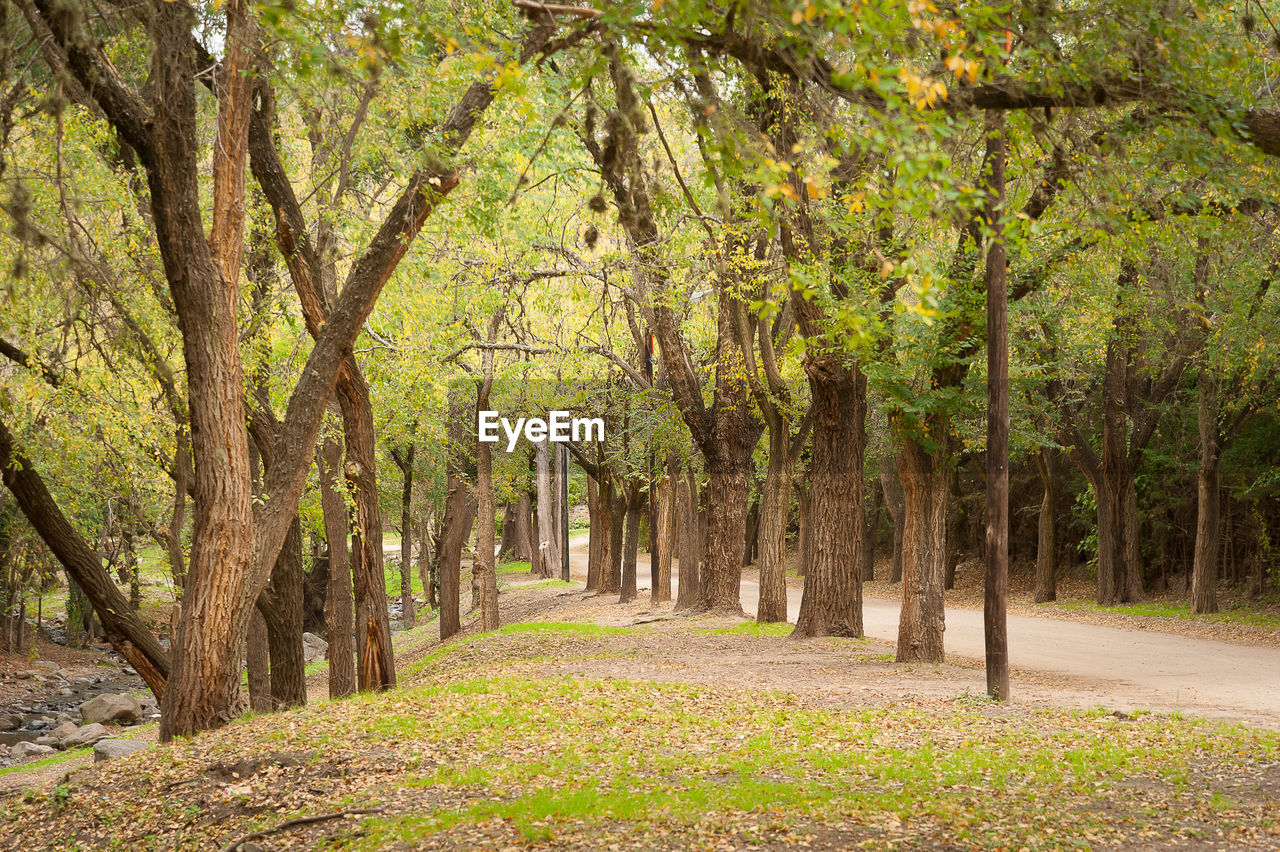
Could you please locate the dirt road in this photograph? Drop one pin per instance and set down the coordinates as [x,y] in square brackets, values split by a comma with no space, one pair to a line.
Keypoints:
[1117,668]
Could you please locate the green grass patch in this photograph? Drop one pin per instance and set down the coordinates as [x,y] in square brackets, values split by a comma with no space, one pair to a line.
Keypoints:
[514,568]
[1177,609]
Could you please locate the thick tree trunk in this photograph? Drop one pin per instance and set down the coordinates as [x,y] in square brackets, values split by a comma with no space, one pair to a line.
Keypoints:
[506,543]
[258,664]
[545,564]
[728,490]
[283,618]
[831,604]
[1204,570]
[406,540]
[456,529]
[924,476]
[483,569]
[1046,585]
[559,511]
[891,484]
[775,500]
[690,542]
[802,538]
[635,503]
[339,618]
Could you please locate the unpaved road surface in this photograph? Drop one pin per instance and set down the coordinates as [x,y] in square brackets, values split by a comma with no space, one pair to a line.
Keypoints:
[1103,666]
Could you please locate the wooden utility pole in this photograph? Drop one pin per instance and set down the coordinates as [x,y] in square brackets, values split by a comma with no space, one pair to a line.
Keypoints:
[997,579]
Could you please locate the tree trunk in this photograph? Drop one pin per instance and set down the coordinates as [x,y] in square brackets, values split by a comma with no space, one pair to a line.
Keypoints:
[483,569]
[374,655]
[258,665]
[559,511]
[283,618]
[611,578]
[772,535]
[545,564]
[339,618]
[406,540]
[1204,571]
[660,591]
[1046,588]
[690,542]
[751,540]
[831,604]
[802,512]
[635,503]
[870,520]
[995,603]
[924,477]
[593,545]
[891,484]
[506,544]
[728,490]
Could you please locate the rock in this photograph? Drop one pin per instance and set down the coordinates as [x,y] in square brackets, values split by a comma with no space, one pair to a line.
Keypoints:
[45,664]
[129,670]
[49,740]
[313,647]
[10,721]
[21,750]
[39,724]
[109,749]
[111,708]
[66,690]
[64,730]
[62,719]
[88,735]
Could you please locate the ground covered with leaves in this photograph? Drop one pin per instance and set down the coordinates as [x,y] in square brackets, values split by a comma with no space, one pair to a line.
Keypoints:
[536,737]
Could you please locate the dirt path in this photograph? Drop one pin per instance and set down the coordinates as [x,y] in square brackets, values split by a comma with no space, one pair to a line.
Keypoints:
[1082,664]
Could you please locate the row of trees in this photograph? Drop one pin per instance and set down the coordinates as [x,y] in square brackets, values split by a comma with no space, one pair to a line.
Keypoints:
[757,238]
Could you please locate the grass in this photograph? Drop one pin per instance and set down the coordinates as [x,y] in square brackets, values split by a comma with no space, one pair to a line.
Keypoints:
[479,755]
[1180,610]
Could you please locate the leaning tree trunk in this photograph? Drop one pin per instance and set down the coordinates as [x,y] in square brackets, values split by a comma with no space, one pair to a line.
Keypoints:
[1204,570]
[339,618]
[1046,587]
[772,531]
[925,475]
[831,604]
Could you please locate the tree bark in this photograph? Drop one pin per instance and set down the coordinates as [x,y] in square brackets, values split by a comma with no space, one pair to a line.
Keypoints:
[690,541]
[455,527]
[596,529]
[831,604]
[483,568]
[339,618]
[995,600]
[924,477]
[258,664]
[545,565]
[1204,570]
[406,539]
[635,503]
[283,616]
[891,484]
[661,581]
[1046,584]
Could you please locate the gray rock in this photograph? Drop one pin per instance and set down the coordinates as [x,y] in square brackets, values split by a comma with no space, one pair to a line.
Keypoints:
[21,750]
[62,719]
[49,740]
[46,664]
[10,721]
[313,647]
[66,690]
[111,708]
[64,730]
[88,735]
[109,749]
